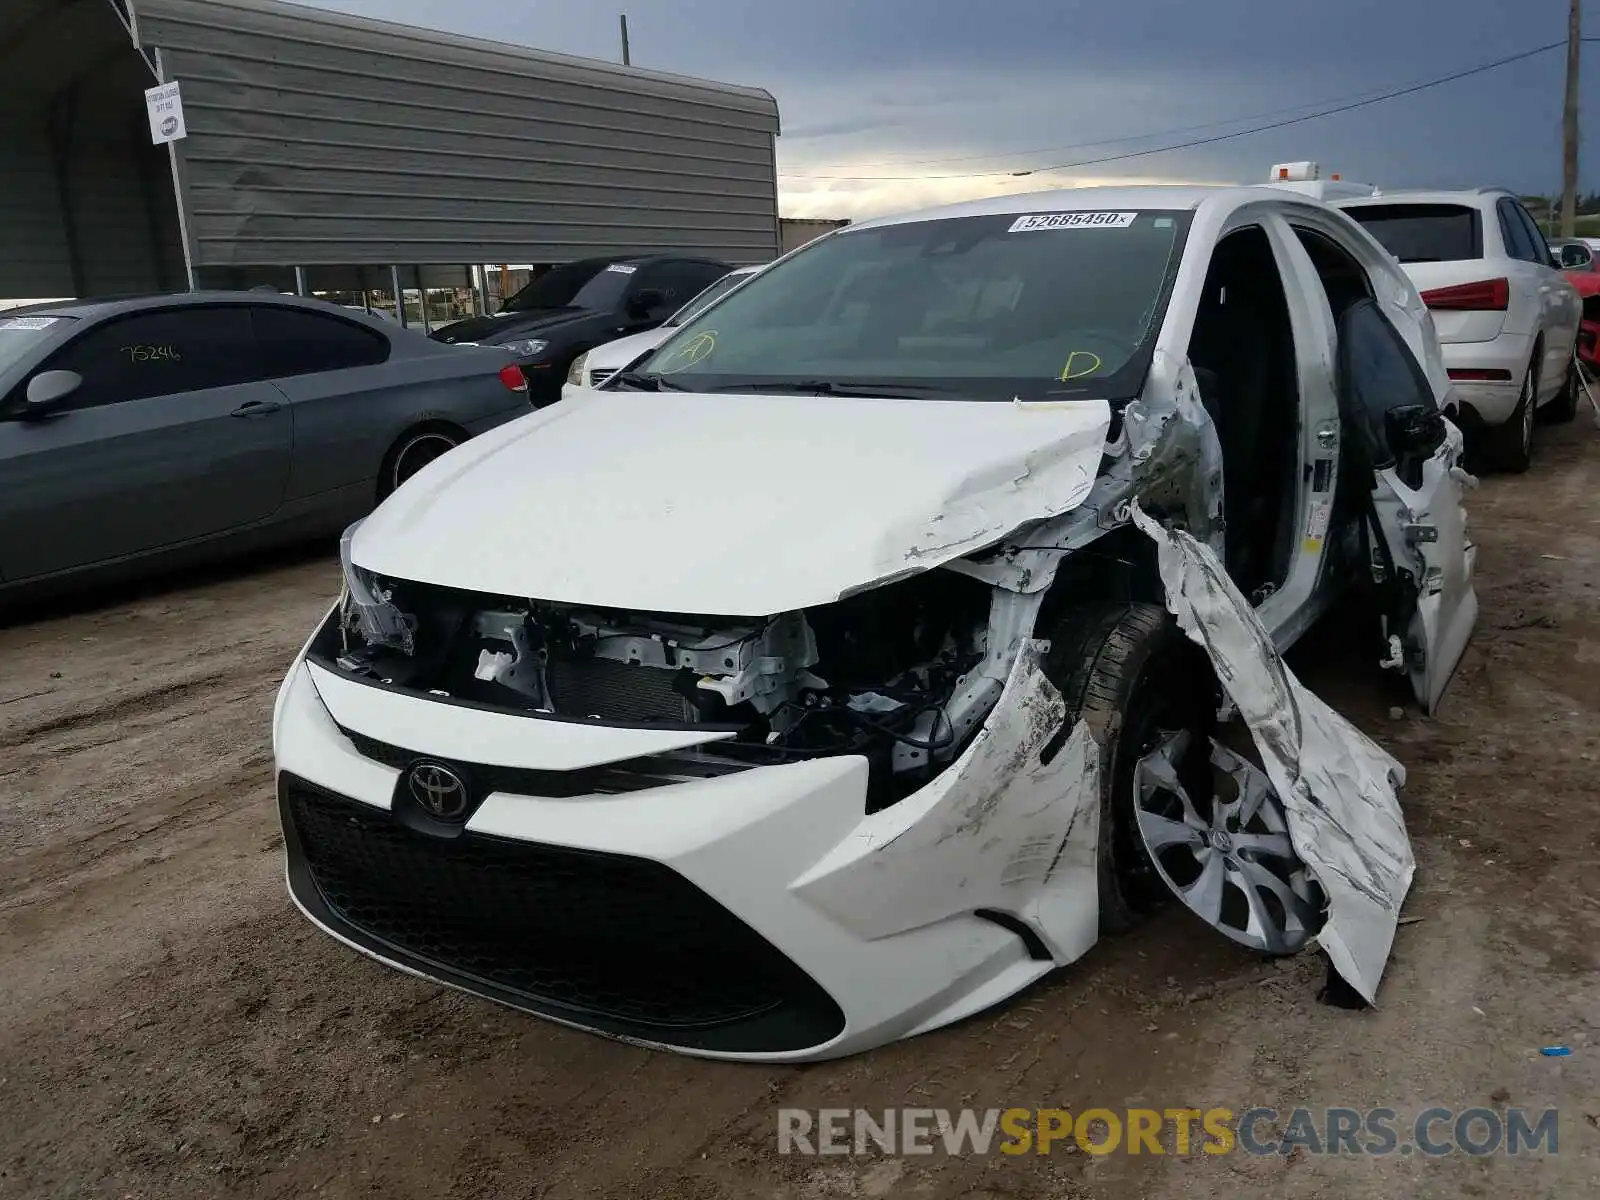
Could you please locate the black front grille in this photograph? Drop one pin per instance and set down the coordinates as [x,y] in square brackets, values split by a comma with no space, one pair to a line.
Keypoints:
[614,691]
[622,944]
[608,779]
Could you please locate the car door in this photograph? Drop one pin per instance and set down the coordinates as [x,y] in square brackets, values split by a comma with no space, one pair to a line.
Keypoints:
[1533,275]
[1406,453]
[1562,307]
[331,373]
[169,438]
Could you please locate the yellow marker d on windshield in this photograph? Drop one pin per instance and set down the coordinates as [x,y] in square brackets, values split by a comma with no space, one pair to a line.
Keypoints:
[1074,371]
[695,350]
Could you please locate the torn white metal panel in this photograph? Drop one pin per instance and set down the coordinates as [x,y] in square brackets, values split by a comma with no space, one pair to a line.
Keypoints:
[1337,785]
[1001,829]
[1425,530]
[1166,455]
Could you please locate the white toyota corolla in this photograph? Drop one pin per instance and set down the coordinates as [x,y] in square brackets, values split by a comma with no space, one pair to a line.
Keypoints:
[853,661]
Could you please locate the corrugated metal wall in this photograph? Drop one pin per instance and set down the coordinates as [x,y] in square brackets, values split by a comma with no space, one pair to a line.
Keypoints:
[321,139]
[33,252]
[86,203]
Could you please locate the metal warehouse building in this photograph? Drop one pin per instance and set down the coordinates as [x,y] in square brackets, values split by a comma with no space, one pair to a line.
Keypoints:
[349,147]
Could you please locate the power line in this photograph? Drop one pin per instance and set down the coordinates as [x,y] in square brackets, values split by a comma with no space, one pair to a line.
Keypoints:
[1206,141]
[1110,141]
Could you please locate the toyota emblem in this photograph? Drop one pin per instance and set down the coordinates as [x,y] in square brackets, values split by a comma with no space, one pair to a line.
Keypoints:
[438,790]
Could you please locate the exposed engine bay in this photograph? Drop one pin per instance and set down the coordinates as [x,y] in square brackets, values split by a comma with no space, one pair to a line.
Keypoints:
[903,674]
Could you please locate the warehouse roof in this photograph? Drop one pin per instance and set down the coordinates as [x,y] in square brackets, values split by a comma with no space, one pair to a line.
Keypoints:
[187,24]
[316,139]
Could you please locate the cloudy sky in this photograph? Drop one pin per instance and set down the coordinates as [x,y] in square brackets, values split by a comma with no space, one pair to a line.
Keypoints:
[888,104]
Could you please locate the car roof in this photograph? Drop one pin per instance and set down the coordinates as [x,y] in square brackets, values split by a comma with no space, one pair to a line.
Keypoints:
[1423,196]
[639,260]
[102,306]
[1085,199]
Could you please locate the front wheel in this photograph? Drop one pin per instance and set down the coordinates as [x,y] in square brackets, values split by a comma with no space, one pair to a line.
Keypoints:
[1128,672]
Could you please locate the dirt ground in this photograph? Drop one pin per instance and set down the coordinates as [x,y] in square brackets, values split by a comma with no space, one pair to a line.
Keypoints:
[170,1027]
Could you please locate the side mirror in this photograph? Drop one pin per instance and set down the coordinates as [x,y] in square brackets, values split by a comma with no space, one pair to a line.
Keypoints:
[646,304]
[1414,430]
[48,389]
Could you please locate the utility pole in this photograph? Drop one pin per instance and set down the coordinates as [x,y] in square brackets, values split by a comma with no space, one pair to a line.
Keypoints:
[1569,125]
[627,60]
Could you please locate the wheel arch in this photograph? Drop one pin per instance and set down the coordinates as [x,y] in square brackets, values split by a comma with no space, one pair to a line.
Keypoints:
[408,435]
[1118,567]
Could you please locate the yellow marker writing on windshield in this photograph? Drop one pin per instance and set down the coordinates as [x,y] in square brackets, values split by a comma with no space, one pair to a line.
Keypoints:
[695,350]
[1072,371]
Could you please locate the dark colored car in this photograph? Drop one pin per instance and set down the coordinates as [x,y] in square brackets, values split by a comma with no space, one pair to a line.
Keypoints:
[177,427]
[580,305]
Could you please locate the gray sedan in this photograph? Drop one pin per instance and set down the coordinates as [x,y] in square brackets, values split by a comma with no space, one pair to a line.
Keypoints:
[136,432]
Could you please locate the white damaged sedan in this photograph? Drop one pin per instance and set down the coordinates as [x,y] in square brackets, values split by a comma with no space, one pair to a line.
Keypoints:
[859,657]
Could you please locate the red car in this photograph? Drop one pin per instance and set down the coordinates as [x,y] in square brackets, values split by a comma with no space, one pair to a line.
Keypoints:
[1577,259]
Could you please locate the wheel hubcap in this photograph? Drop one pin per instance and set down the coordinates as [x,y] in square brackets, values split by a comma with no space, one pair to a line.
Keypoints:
[1231,860]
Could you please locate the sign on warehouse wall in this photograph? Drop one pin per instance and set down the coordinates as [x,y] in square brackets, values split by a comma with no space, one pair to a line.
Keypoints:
[165,105]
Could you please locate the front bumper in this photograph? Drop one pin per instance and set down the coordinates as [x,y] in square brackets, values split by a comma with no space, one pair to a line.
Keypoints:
[759,914]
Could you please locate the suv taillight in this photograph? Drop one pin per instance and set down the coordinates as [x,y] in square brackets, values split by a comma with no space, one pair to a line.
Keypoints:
[1486,295]
[513,378]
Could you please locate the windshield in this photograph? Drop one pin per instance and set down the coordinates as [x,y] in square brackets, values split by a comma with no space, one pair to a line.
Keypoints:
[715,292]
[19,335]
[1417,233]
[592,284]
[1064,305]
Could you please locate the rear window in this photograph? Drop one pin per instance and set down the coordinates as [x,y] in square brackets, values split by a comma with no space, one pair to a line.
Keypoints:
[1417,233]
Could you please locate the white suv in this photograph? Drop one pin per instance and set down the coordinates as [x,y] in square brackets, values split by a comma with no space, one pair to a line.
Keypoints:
[1506,317]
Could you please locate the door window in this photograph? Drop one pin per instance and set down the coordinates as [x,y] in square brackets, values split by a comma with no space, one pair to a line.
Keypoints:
[159,354]
[1515,234]
[1385,399]
[294,342]
[672,280]
[701,275]
[1541,248]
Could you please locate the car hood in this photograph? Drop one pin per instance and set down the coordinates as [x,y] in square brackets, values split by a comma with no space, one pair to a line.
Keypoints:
[730,505]
[499,326]
[613,356]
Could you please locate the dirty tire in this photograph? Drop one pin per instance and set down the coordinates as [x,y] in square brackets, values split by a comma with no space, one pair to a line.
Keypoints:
[1510,446]
[1128,671]
[1565,406]
[415,449]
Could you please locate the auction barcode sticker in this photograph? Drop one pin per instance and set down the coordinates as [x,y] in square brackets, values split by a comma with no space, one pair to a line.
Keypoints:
[1072,220]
